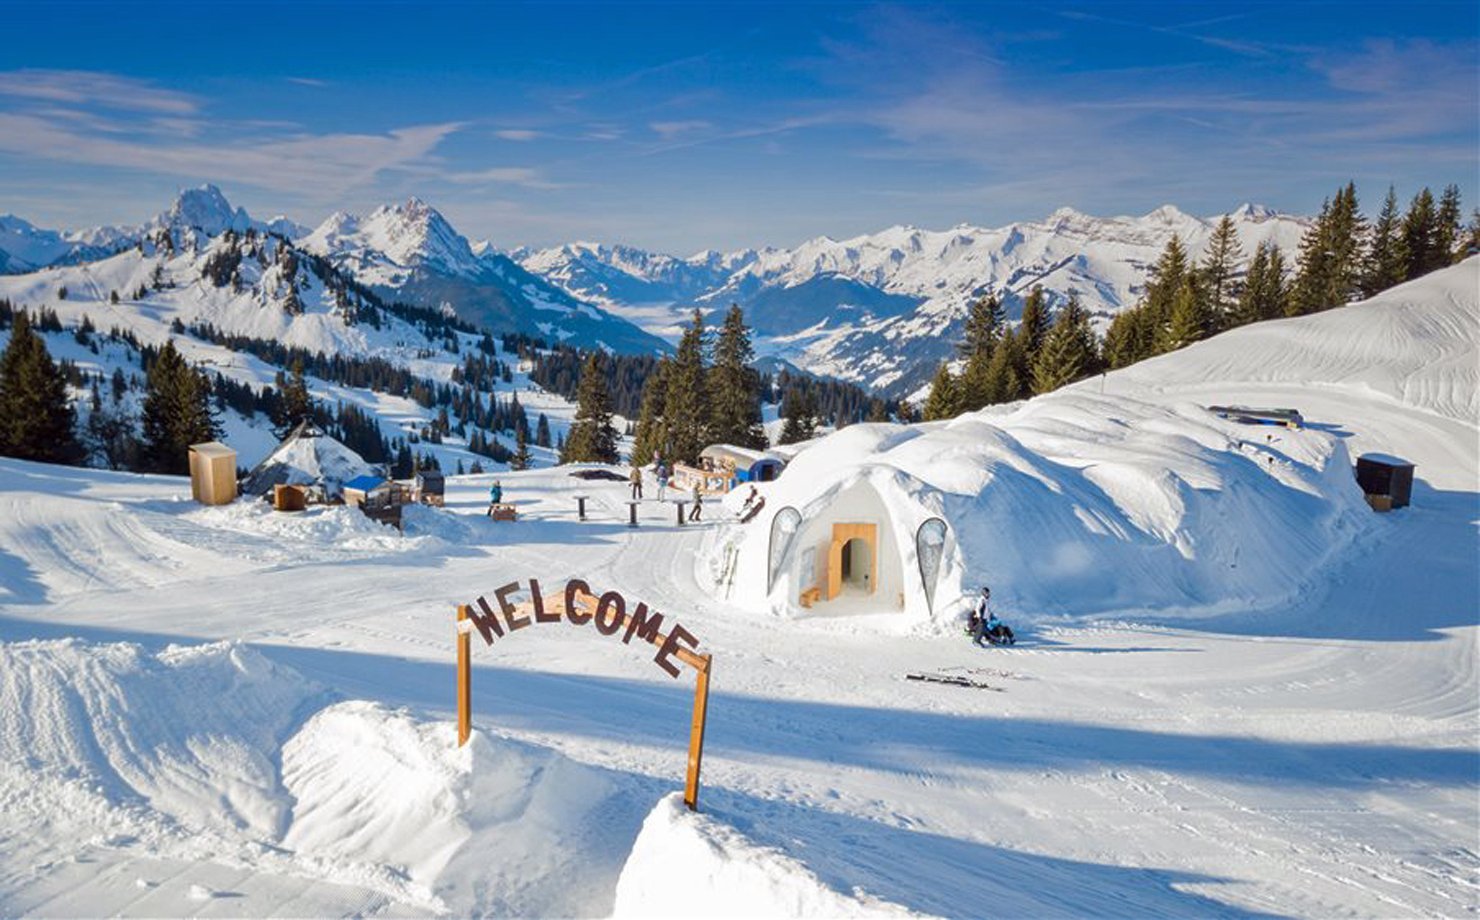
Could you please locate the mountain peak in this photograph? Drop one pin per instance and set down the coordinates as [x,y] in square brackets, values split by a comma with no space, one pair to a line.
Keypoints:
[1168,214]
[203,208]
[411,233]
[1251,211]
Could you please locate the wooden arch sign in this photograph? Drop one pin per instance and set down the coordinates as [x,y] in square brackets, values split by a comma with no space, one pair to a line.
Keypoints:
[578,606]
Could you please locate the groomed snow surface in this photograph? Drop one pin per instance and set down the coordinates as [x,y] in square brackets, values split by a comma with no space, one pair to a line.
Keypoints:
[1238,692]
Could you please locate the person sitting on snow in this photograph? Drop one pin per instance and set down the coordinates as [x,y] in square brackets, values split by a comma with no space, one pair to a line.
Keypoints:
[985,625]
[998,632]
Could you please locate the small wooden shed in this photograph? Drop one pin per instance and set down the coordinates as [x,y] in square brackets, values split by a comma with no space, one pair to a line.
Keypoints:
[1386,480]
[212,473]
[431,487]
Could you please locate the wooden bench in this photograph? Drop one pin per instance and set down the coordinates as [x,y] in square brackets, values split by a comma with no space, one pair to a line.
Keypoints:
[502,512]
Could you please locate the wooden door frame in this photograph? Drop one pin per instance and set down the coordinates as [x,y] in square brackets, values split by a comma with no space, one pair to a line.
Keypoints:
[841,534]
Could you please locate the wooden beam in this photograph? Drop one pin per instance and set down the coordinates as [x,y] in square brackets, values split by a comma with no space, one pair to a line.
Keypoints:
[696,735]
[464,676]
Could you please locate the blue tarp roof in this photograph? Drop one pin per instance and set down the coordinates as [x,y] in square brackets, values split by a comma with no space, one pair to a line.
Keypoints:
[364,483]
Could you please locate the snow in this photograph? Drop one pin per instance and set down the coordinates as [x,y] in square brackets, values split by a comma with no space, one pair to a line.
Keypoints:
[690,865]
[233,711]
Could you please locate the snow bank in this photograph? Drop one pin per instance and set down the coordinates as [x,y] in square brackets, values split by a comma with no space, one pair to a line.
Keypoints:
[189,732]
[494,827]
[692,865]
[213,753]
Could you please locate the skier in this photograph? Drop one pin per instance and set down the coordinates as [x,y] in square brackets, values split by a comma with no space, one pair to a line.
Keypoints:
[698,509]
[636,480]
[662,482]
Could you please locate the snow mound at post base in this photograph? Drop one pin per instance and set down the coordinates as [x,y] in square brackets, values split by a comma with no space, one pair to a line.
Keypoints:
[215,754]
[691,865]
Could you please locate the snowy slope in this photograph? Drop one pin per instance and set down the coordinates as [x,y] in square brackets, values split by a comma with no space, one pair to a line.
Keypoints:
[171,264]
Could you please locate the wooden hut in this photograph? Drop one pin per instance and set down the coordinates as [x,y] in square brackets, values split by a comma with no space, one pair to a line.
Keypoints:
[431,487]
[212,473]
[1386,481]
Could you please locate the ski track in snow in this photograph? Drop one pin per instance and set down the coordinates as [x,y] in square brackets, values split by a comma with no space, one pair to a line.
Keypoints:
[1315,760]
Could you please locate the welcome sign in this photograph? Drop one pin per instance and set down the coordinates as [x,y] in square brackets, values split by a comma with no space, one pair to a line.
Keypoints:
[611,615]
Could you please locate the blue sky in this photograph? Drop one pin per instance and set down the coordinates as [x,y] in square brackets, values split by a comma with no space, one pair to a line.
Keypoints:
[681,126]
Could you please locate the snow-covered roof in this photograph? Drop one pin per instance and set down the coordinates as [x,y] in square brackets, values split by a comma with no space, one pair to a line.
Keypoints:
[741,456]
[307,456]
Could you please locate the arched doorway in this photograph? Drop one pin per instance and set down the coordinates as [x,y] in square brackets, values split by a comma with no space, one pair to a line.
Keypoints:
[853,559]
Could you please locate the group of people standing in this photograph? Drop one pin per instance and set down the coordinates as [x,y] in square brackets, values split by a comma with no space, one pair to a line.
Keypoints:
[663,474]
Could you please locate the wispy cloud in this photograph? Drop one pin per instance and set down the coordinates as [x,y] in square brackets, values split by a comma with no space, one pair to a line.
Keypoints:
[83,87]
[313,165]
[668,130]
[308,81]
[517,134]
[501,175]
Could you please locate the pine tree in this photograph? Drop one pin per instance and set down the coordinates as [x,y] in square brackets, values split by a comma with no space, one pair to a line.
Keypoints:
[1034,324]
[37,419]
[685,409]
[294,404]
[984,325]
[177,412]
[542,432]
[1004,378]
[1331,260]
[521,451]
[1420,236]
[800,414]
[1387,257]
[1263,296]
[1131,336]
[944,400]
[1167,275]
[1189,320]
[592,437]
[734,387]
[1220,263]
[1068,352]
[1449,230]
[651,434]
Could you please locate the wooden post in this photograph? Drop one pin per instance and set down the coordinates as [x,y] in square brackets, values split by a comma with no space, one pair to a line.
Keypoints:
[633,521]
[696,734]
[581,506]
[680,504]
[464,675]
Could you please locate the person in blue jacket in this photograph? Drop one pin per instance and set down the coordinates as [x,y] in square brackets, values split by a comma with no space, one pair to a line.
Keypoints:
[986,626]
[495,495]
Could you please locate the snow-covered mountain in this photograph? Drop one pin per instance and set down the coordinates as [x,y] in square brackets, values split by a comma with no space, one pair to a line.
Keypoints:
[883,308]
[410,252]
[206,210]
[615,274]
[25,247]
[202,212]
